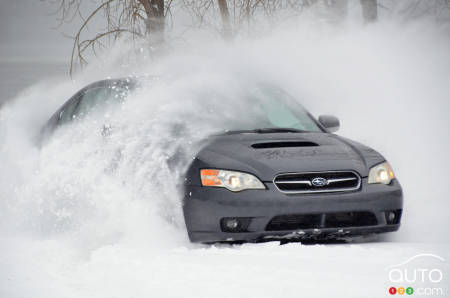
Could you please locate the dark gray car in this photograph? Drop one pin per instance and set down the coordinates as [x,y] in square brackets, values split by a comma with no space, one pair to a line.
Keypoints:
[280,174]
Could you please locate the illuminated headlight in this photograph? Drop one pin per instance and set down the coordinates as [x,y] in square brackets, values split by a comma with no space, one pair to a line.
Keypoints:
[231,180]
[381,173]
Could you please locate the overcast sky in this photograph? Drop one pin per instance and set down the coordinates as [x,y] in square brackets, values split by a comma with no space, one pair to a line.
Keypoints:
[31,49]
[27,32]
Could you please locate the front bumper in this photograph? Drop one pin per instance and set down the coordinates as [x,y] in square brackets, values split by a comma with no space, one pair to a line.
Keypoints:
[205,207]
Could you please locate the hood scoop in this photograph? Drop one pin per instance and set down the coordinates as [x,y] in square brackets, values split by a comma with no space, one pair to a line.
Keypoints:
[284,144]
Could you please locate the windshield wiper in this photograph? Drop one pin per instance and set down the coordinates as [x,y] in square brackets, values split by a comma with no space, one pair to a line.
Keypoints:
[267,130]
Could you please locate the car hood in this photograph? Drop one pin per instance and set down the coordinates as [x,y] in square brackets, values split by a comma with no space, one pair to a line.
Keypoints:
[268,154]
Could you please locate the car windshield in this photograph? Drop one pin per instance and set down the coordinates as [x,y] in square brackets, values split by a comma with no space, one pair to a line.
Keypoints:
[270,109]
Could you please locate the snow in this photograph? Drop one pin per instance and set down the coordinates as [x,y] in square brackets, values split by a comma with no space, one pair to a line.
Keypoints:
[253,270]
[70,227]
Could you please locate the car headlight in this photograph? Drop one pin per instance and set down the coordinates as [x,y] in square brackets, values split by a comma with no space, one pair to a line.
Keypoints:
[381,173]
[231,180]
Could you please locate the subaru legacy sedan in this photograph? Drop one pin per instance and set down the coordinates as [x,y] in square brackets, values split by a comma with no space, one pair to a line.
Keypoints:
[280,174]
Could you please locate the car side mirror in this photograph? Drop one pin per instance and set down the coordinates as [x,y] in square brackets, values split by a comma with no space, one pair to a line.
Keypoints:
[329,122]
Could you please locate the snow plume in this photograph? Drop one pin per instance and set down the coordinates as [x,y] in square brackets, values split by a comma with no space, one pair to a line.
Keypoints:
[92,216]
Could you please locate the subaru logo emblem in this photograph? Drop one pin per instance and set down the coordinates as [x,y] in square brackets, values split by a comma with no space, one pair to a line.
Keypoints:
[319,181]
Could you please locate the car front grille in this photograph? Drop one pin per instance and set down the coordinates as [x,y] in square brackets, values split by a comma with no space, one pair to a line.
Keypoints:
[314,182]
[321,220]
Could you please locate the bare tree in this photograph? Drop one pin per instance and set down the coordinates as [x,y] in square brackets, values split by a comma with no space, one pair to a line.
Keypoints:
[439,9]
[136,18]
[239,14]
[369,10]
[225,15]
[150,19]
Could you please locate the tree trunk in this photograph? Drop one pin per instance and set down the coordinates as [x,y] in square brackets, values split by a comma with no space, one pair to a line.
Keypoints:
[154,10]
[338,10]
[369,10]
[225,15]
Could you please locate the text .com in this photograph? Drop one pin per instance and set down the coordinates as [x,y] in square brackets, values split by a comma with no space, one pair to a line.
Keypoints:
[418,291]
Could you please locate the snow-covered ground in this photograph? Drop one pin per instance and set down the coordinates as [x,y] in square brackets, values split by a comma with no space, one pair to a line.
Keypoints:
[52,269]
[72,227]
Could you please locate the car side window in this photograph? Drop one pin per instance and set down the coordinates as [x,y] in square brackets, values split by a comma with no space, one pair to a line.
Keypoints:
[96,98]
[66,114]
[91,100]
